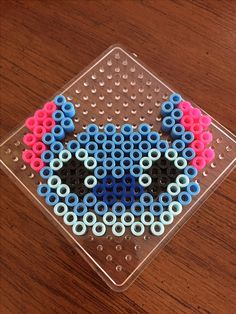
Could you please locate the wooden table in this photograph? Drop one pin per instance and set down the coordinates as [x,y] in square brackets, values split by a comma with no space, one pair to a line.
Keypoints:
[191,44]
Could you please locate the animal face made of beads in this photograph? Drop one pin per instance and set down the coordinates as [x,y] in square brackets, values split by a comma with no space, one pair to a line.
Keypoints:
[118,180]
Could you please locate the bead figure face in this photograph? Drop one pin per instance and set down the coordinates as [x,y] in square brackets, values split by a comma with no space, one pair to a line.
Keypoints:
[119,180]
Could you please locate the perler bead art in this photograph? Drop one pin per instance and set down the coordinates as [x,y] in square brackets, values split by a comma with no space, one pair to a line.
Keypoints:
[119,162]
[118,180]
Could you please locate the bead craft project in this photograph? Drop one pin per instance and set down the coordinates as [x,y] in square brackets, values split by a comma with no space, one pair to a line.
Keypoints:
[119,161]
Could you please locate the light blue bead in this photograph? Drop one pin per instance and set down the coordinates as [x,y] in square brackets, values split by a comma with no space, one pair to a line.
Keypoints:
[56,147]
[177,114]
[100,138]
[127,147]
[153,138]
[109,129]
[162,146]
[165,199]
[135,155]
[146,199]
[118,139]
[109,163]
[156,208]
[191,172]
[126,163]
[83,138]
[100,155]
[52,199]
[48,138]
[137,209]
[166,108]
[91,147]
[144,129]
[80,209]
[175,98]
[68,109]
[43,190]
[178,145]
[73,146]
[135,138]
[126,130]
[144,147]
[117,154]
[187,137]
[46,172]
[47,156]
[118,172]
[118,209]
[100,172]
[58,132]
[90,200]
[184,198]
[92,129]
[59,100]
[177,131]
[167,124]
[108,146]
[100,208]
[193,188]
[136,171]
[188,153]
[68,125]
[58,115]
[71,199]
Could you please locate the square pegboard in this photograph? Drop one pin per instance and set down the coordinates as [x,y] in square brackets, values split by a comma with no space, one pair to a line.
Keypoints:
[117,88]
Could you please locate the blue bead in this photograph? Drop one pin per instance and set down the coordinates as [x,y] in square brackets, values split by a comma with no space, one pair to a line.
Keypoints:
[153,138]
[136,155]
[175,99]
[52,199]
[127,200]
[43,190]
[109,198]
[137,209]
[58,115]
[126,130]
[59,100]
[117,154]
[146,199]
[126,163]
[48,138]
[109,129]
[177,131]
[71,199]
[191,172]
[58,132]
[100,208]
[144,129]
[100,155]
[118,172]
[46,172]
[80,209]
[144,147]
[162,146]
[135,138]
[167,124]
[178,145]
[118,209]
[128,180]
[108,182]
[188,153]
[184,198]
[108,146]
[92,129]
[89,200]
[193,188]
[100,138]
[109,163]
[118,189]
[166,108]
[47,156]
[100,172]
[91,147]
[73,146]
[68,125]
[118,139]
[56,147]
[99,190]
[165,199]
[177,114]
[83,138]
[137,190]
[187,137]
[136,171]
[68,109]
[156,208]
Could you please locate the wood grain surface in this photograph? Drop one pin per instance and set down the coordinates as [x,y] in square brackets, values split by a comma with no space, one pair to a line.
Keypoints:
[192,45]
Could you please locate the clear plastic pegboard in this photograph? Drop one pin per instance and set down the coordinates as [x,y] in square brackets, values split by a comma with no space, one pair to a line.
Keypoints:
[117,88]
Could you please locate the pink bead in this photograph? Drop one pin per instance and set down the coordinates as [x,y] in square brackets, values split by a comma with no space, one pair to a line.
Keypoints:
[187,122]
[49,108]
[39,148]
[37,164]
[28,155]
[195,113]
[197,146]
[199,163]
[184,106]
[196,129]
[206,137]
[39,131]
[31,123]
[208,154]
[48,124]
[40,115]
[205,121]
[29,139]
